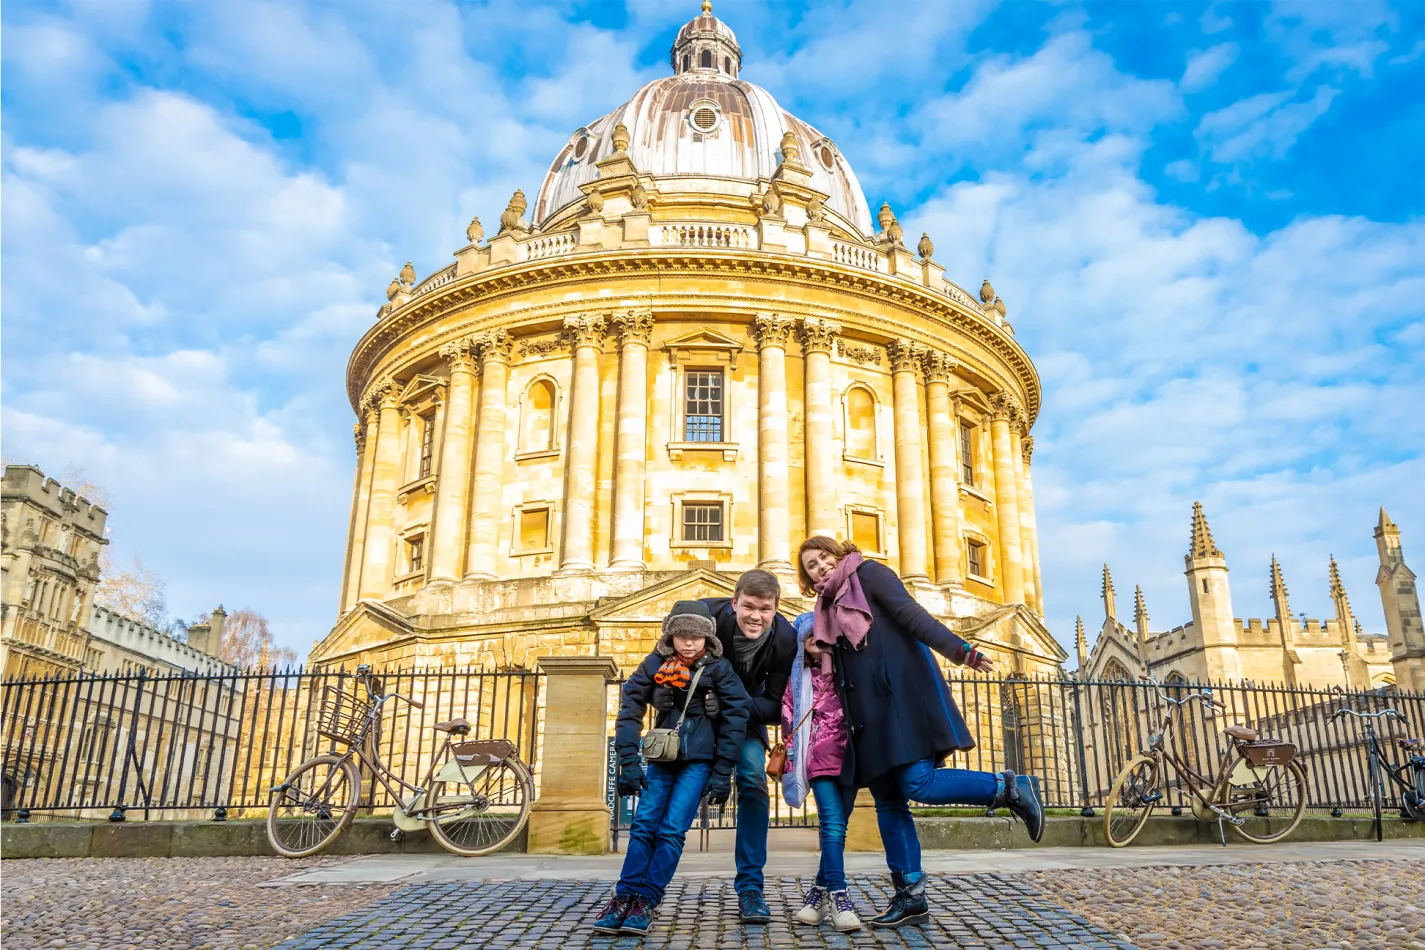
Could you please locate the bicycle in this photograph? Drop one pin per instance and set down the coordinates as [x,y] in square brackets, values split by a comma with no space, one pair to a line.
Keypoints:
[1258,779]
[1412,797]
[475,799]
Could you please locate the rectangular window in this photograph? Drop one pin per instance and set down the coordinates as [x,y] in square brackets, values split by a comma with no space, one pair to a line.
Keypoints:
[967,454]
[427,443]
[866,531]
[415,554]
[534,529]
[702,410]
[975,556]
[702,523]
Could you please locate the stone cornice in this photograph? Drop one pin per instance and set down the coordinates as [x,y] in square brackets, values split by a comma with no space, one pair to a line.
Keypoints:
[621,266]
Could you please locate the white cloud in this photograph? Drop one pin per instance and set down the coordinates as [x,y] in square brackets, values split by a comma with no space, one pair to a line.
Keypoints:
[1204,66]
[1266,125]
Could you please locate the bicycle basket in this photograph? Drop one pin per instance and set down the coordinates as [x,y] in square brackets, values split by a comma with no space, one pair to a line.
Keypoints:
[1270,752]
[343,716]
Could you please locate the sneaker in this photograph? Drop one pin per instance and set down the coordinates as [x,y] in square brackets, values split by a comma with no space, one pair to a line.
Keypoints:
[638,918]
[842,913]
[752,908]
[610,919]
[813,910]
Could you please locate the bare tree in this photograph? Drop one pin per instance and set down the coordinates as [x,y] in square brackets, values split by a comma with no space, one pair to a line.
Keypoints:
[248,642]
[137,592]
[77,480]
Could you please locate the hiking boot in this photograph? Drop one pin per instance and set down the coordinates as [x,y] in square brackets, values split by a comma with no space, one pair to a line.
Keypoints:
[638,918]
[752,907]
[610,919]
[908,905]
[1020,795]
[813,907]
[842,913]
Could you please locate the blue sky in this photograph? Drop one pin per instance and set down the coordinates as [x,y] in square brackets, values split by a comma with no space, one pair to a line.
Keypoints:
[1208,223]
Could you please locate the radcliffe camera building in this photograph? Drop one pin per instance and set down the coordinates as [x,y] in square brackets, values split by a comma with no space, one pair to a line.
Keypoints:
[694,347]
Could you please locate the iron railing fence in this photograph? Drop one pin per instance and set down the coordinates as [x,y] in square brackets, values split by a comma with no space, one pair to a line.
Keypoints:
[188,745]
[1077,735]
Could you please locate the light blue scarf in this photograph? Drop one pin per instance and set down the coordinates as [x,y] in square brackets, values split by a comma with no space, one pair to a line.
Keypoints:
[795,784]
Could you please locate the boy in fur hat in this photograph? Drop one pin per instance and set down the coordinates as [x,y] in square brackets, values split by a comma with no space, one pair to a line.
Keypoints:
[710,737]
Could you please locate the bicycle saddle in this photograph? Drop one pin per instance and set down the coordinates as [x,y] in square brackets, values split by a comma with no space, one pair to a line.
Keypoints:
[458,726]
[1411,743]
[1241,732]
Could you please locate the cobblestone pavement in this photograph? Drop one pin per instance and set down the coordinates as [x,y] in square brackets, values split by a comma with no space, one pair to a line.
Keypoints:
[973,912]
[164,903]
[1351,905]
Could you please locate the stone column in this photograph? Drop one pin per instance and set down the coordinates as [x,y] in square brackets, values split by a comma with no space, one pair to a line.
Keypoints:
[381,509]
[910,479]
[1009,556]
[493,350]
[635,330]
[1016,452]
[571,815]
[773,530]
[581,483]
[820,455]
[452,498]
[1029,526]
[944,480]
[365,433]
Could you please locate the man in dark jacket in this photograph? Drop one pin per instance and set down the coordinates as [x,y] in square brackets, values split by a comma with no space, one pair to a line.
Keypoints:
[762,646]
[685,678]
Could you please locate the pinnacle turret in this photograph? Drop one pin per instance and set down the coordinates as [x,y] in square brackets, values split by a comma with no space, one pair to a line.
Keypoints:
[1201,544]
[1279,596]
[1140,611]
[1110,609]
[1081,644]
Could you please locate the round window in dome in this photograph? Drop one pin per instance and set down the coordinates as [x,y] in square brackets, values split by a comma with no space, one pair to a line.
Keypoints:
[825,153]
[704,116]
[581,147]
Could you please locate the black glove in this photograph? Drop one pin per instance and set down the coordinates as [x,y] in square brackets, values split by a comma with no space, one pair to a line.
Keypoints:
[719,788]
[631,779]
[664,698]
[711,707]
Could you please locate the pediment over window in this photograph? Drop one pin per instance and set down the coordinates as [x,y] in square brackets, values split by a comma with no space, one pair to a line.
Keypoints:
[422,392]
[704,345]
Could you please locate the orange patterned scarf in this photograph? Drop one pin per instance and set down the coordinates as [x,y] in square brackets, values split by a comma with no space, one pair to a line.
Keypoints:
[676,671]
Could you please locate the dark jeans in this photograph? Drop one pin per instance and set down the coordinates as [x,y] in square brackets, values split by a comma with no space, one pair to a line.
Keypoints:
[754,811]
[833,809]
[922,782]
[665,812]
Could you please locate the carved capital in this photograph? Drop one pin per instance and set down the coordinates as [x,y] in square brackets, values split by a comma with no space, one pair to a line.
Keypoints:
[460,354]
[380,395]
[495,346]
[1004,408]
[1026,447]
[358,434]
[585,329]
[905,356]
[772,329]
[818,335]
[938,367]
[633,326]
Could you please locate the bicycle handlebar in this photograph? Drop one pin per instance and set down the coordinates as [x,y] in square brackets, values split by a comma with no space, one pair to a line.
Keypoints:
[1392,713]
[1205,695]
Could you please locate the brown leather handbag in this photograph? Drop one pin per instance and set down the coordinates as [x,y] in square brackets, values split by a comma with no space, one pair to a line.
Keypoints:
[777,758]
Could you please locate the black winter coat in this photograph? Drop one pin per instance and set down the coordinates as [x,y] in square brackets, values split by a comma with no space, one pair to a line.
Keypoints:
[767,680]
[718,740]
[898,705]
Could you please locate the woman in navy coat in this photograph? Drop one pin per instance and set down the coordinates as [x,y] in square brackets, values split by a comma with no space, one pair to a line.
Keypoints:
[902,719]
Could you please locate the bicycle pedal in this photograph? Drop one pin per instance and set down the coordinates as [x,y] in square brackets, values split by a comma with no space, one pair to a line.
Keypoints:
[397,835]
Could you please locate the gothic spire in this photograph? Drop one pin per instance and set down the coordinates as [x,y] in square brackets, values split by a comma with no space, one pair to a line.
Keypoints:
[1279,599]
[1384,521]
[1081,643]
[1201,544]
[1140,611]
[1110,610]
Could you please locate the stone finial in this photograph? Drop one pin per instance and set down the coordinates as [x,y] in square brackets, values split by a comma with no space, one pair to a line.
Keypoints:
[707,7]
[1081,644]
[475,231]
[1201,543]
[999,306]
[394,288]
[885,216]
[1337,588]
[816,209]
[596,202]
[1110,606]
[639,198]
[926,247]
[408,275]
[510,217]
[987,292]
[789,147]
[621,139]
[1278,593]
[1140,609]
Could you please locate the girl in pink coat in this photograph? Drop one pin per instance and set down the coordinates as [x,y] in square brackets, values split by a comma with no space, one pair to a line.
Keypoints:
[814,729]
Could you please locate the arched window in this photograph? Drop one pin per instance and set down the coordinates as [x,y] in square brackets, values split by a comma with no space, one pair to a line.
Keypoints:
[1114,670]
[860,423]
[705,60]
[537,417]
[687,62]
[727,65]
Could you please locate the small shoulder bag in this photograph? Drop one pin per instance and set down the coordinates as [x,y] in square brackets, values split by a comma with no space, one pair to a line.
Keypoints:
[662,745]
[777,758]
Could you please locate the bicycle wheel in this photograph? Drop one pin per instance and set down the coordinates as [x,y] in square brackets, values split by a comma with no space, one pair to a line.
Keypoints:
[314,806]
[482,813]
[1414,799]
[1135,793]
[1273,803]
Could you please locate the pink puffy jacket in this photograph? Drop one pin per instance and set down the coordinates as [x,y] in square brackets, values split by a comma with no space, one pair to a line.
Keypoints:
[828,724]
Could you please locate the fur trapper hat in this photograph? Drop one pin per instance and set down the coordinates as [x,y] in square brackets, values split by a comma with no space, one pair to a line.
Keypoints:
[689,618]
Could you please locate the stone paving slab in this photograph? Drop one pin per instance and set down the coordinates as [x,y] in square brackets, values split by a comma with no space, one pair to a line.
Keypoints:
[978,912]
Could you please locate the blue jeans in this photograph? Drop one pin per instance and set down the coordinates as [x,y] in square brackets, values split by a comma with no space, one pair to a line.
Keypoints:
[666,810]
[832,813]
[754,810]
[922,782]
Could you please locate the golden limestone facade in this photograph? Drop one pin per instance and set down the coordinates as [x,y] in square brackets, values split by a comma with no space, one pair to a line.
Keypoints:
[696,349]
[1285,649]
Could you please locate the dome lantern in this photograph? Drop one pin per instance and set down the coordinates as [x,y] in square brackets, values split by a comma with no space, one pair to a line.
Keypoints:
[706,44]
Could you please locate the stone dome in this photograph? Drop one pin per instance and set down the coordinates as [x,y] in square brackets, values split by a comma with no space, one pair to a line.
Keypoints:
[700,125]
